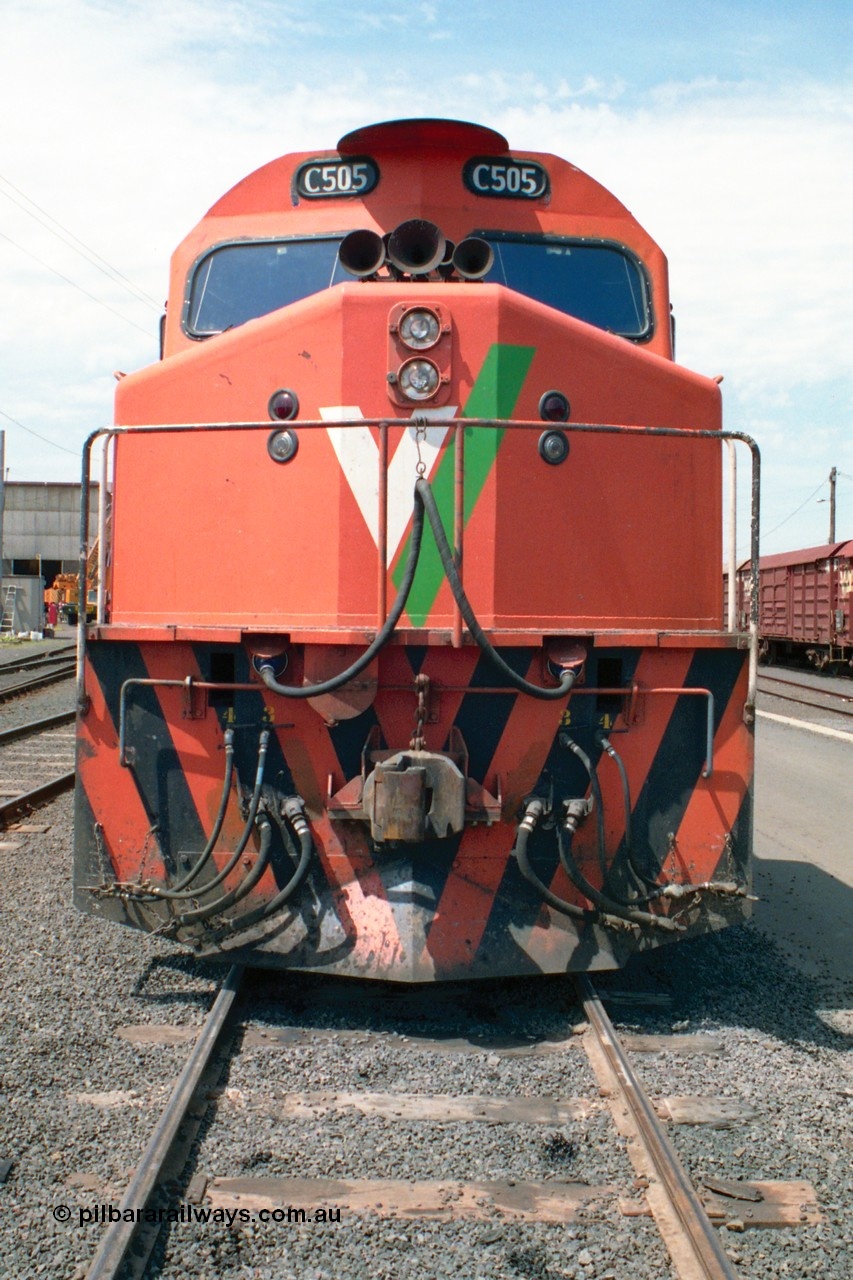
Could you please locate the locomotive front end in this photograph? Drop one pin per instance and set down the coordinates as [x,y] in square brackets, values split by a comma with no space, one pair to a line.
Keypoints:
[410,662]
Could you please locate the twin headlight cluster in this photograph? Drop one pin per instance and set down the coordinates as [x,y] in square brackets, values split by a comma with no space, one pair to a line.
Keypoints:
[419,354]
[419,335]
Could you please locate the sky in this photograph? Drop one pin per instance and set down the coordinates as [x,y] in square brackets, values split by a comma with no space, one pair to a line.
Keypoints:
[723,125]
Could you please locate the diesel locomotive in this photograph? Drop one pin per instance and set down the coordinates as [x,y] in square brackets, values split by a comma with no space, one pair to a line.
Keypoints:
[409,658]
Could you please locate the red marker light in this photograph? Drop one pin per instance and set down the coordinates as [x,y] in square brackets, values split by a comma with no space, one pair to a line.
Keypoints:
[283,405]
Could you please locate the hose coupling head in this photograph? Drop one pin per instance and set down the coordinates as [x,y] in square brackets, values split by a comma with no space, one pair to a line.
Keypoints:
[576,812]
[534,810]
[293,808]
[721,888]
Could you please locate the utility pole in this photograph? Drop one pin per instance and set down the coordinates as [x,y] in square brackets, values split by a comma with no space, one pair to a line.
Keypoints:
[832,477]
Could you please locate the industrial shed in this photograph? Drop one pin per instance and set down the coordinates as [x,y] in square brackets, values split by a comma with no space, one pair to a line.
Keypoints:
[39,538]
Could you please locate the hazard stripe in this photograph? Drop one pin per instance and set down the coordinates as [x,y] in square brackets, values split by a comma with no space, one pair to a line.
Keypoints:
[466,904]
[638,749]
[156,768]
[195,785]
[678,763]
[111,789]
[361,902]
[395,712]
[716,802]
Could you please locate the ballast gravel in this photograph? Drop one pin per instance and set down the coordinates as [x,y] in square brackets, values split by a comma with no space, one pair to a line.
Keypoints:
[78,1101]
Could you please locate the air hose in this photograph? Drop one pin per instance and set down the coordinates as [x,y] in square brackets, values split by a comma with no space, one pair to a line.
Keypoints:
[601,900]
[608,892]
[294,811]
[532,814]
[569,675]
[267,672]
[646,882]
[175,890]
[534,811]
[153,891]
[244,888]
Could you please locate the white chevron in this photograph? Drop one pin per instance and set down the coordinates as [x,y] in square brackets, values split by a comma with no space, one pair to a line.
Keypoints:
[358,455]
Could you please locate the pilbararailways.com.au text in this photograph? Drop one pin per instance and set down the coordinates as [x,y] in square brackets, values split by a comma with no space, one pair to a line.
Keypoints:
[189,1214]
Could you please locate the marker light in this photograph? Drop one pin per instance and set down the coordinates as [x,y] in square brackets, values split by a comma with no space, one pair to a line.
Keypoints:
[554,407]
[283,405]
[282,445]
[419,329]
[418,379]
[553,447]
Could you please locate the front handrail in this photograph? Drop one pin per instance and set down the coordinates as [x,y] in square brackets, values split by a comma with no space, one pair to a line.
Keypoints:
[458,425]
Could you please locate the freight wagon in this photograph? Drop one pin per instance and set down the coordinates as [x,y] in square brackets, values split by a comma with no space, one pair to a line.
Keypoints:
[805,605]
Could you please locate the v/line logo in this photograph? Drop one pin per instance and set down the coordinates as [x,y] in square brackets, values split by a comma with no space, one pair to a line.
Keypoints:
[493,396]
[358,455]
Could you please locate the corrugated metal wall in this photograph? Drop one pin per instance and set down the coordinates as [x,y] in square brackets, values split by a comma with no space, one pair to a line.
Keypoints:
[42,521]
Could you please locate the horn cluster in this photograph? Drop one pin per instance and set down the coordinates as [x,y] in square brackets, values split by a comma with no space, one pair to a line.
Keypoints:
[416,248]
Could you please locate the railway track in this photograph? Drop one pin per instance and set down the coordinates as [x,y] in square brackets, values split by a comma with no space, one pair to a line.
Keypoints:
[807,695]
[62,670]
[661,1189]
[36,764]
[33,661]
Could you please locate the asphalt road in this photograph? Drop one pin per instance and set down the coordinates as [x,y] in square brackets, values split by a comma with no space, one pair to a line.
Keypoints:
[804,837]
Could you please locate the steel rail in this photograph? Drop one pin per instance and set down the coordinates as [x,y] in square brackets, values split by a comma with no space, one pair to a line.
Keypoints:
[36,726]
[810,689]
[65,672]
[109,1259]
[807,702]
[38,796]
[709,1254]
[38,660]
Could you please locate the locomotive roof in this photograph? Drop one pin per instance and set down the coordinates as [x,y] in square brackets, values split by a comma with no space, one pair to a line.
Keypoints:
[405,135]
[262,191]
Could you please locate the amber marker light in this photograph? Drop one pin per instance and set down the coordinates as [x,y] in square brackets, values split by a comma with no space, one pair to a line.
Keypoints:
[282,445]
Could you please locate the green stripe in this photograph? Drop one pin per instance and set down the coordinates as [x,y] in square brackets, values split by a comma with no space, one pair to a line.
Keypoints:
[494,395]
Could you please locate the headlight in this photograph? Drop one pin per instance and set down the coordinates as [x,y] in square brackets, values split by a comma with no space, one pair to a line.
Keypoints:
[420,329]
[418,379]
[282,445]
[553,447]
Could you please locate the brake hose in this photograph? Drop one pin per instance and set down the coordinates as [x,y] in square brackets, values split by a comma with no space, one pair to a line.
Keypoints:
[204,857]
[569,675]
[293,810]
[601,900]
[154,892]
[266,671]
[650,888]
[245,886]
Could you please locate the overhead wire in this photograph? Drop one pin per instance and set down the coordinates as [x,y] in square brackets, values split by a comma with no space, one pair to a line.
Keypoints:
[68,237]
[765,533]
[74,284]
[74,452]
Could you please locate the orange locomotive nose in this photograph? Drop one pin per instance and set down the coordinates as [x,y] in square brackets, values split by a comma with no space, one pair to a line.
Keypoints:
[397,670]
